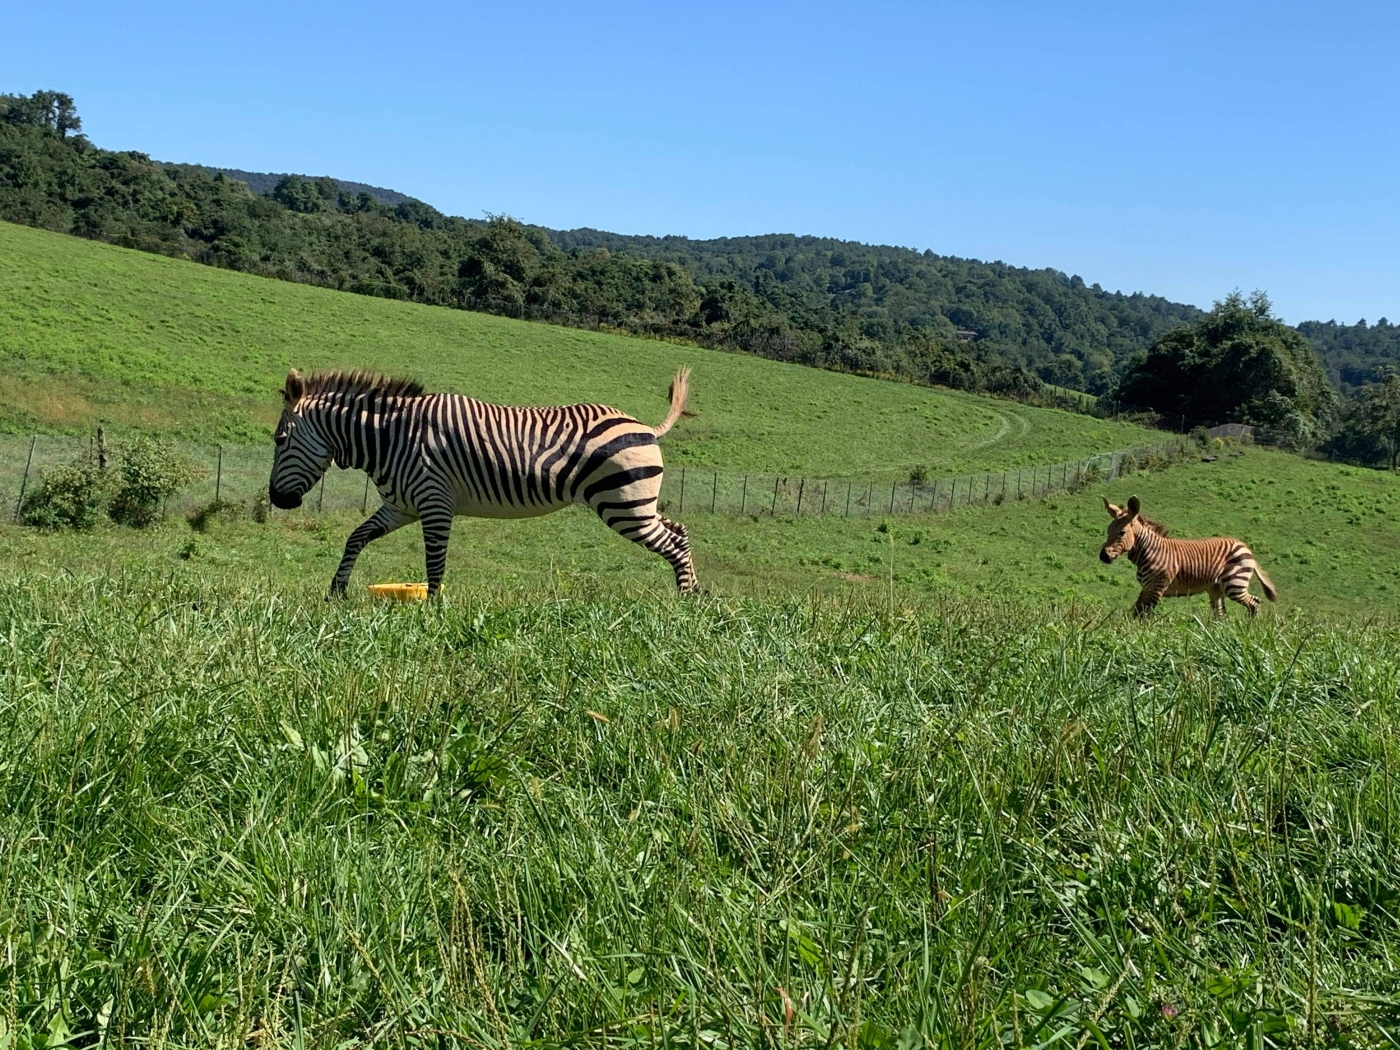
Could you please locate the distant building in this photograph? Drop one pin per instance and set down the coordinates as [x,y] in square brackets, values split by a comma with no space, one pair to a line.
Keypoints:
[967,335]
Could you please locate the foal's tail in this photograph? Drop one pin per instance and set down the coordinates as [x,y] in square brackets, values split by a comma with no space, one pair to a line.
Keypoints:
[1265,582]
[680,386]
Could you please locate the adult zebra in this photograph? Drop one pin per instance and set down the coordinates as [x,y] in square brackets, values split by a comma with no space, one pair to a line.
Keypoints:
[434,457]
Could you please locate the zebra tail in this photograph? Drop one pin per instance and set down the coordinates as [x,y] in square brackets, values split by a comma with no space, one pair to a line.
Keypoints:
[680,386]
[1264,582]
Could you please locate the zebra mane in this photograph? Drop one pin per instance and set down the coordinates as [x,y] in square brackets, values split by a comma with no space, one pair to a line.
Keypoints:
[1155,526]
[361,381]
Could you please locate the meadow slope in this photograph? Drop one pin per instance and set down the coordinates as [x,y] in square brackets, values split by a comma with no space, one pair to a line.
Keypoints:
[1327,535]
[92,332]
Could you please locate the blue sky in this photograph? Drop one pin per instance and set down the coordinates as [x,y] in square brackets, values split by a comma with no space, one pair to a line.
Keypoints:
[1178,148]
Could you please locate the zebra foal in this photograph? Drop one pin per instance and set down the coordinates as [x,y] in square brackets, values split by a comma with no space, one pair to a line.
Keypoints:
[434,457]
[1221,566]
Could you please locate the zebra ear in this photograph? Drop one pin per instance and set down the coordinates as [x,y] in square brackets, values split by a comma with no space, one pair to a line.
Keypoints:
[1113,509]
[1134,506]
[291,393]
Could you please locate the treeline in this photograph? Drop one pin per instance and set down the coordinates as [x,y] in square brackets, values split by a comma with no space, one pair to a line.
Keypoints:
[1067,333]
[1355,355]
[808,300]
[832,304]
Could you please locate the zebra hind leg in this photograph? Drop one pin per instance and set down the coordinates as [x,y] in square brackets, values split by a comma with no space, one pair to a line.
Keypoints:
[1238,591]
[664,537]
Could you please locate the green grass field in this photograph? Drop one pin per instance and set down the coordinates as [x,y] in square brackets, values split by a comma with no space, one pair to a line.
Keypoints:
[235,816]
[891,783]
[91,332]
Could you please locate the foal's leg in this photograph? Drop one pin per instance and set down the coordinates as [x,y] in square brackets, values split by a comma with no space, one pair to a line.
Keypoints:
[1217,601]
[1238,591]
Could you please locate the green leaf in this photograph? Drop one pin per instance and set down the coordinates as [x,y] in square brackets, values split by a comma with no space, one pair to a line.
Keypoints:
[1347,916]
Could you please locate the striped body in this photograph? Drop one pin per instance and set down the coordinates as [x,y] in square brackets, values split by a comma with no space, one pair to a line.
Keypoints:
[1220,566]
[434,457]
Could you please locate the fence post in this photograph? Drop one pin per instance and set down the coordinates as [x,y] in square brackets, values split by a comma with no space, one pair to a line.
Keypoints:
[911,497]
[848,500]
[682,507]
[773,510]
[19,503]
[893,487]
[364,503]
[714,491]
[101,449]
[1018,484]
[744,495]
[869,497]
[800,486]
[219,475]
[824,485]
[933,500]
[952,494]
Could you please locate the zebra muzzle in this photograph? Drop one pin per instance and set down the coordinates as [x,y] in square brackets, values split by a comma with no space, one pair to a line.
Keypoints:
[283,500]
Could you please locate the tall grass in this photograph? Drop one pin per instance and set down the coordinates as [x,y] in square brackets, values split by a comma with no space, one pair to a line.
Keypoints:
[241,817]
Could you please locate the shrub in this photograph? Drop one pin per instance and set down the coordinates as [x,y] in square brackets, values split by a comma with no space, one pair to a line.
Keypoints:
[205,516]
[71,496]
[149,473]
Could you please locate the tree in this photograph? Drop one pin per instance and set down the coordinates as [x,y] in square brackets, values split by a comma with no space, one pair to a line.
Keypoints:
[1238,364]
[53,110]
[1373,422]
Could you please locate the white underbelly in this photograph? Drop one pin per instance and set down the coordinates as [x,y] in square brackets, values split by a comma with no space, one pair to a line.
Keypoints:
[469,507]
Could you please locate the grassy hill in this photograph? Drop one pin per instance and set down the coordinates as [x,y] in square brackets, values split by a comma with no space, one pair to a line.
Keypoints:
[891,784]
[92,332]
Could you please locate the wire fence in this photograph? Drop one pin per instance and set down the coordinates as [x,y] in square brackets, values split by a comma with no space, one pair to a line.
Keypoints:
[238,474]
[724,492]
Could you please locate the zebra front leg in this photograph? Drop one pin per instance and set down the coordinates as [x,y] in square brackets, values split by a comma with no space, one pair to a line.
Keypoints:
[382,522]
[437,530]
[1147,600]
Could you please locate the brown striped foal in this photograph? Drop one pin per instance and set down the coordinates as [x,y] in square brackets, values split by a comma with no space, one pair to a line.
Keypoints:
[1221,566]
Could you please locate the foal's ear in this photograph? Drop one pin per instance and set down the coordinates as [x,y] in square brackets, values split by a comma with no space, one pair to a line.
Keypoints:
[1134,506]
[291,393]
[1114,511]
